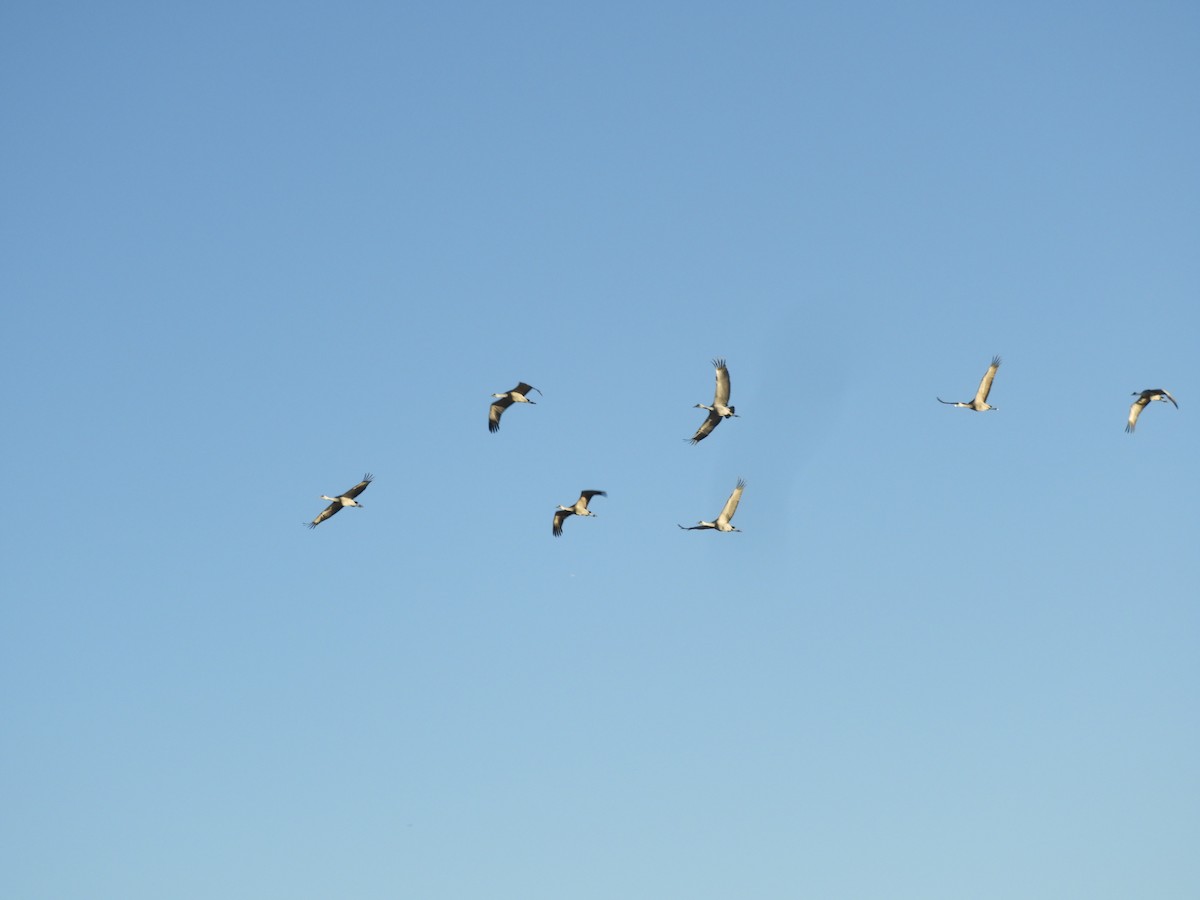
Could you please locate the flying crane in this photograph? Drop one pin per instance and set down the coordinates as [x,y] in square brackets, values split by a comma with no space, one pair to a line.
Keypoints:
[1144,399]
[579,509]
[720,408]
[346,499]
[980,402]
[722,523]
[507,399]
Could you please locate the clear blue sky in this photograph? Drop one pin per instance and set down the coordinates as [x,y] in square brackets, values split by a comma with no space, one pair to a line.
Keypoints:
[252,251]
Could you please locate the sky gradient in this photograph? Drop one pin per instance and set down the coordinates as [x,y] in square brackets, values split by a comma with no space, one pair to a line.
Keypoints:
[252,251]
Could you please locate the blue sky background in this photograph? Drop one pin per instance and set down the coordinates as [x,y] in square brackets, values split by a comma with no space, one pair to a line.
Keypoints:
[251,251]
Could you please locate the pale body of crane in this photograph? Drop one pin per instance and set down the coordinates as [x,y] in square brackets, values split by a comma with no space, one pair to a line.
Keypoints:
[579,509]
[1144,399]
[723,520]
[505,400]
[340,501]
[720,408]
[980,403]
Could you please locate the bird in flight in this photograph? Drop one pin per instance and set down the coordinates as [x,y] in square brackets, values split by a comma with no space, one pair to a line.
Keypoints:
[722,523]
[346,499]
[505,400]
[720,408]
[1144,399]
[980,402]
[579,509]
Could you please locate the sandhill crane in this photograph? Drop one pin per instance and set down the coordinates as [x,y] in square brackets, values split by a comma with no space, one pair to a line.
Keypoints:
[579,509]
[722,523]
[720,408]
[981,395]
[1143,400]
[346,499]
[507,399]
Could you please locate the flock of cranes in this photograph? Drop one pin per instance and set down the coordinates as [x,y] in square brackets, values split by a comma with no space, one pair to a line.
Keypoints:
[720,409]
[980,404]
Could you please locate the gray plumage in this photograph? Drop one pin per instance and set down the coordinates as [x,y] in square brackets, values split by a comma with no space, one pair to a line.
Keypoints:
[723,520]
[579,509]
[340,501]
[1144,399]
[507,399]
[720,408]
[985,386]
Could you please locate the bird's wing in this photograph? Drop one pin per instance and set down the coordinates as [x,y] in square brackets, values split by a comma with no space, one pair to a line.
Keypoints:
[694,527]
[721,397]
[585,496]
[360,487]
[495,411]
[985,385]
[731,504]
[560,516]
[331,509]
[523,389]
[706,427]
[1167,394]
[1134,411]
